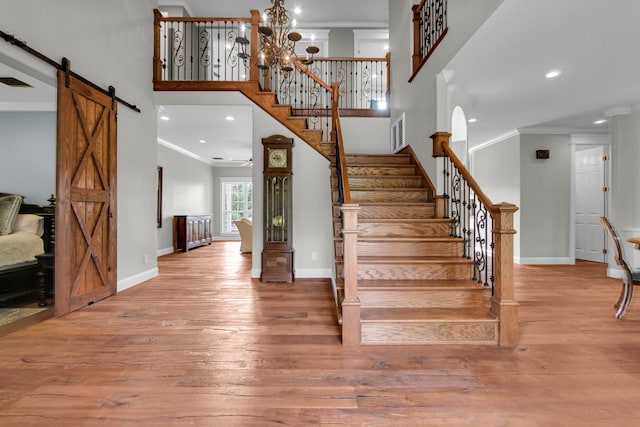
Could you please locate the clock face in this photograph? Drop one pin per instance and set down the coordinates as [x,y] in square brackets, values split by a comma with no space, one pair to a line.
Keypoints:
[277,158]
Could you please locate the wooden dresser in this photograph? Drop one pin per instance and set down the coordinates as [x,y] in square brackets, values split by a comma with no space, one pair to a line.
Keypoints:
[191,231]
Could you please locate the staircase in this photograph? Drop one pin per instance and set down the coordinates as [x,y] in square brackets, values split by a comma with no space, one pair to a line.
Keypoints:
[402,278]
[414,285]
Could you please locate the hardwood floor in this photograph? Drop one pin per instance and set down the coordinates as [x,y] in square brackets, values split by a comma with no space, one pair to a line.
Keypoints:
[204,345]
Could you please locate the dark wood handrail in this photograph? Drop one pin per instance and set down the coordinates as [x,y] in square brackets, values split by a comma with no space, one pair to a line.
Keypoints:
[340,155]
[313,77]
[467,177]
[332,59]
[190,19]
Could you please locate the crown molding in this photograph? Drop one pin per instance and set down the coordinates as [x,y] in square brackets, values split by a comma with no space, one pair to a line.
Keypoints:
[185,152]
[494,141]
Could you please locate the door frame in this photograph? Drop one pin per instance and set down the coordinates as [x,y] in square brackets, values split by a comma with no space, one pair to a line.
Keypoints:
[596,139]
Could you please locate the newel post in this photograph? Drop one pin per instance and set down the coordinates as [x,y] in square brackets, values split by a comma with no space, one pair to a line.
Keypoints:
[157,61]
[503,303]
[440,140]
[351,331]
[254,71]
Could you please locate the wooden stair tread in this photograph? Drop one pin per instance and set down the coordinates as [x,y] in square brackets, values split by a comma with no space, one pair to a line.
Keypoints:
[393,189]
[445,239]
[413,260]
[412,203]
[403,220]
[407,314]
[418,284]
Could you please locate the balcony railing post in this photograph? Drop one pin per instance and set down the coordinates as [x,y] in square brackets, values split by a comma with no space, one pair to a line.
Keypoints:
[388,94]
[351,330]
[254,72]
[157,61]
[503,303]
[417,54]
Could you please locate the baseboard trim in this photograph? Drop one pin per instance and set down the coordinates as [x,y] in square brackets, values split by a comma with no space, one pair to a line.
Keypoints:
[541,261]
[165,251]
[136,279]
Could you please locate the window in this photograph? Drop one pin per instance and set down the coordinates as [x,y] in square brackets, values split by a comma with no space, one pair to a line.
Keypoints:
[237,202]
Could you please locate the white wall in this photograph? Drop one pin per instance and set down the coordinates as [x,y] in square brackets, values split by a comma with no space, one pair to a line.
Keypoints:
[369,135]
[28,155]
[188,189]
[496,168]
[545,211]
[312,216]
[226,172]
[109,43]
[625,179]
[418,98]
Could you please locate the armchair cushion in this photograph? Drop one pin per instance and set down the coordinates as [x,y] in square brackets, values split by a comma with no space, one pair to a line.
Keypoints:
[245,228]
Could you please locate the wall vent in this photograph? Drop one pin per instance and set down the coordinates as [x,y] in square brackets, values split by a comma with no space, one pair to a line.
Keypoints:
[13,82]
[398,140]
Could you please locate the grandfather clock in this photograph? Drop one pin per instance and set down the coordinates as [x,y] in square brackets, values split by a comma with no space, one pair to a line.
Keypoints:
[277,255]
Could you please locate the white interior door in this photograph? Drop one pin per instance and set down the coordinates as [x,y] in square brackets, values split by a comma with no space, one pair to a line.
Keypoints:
[590,203]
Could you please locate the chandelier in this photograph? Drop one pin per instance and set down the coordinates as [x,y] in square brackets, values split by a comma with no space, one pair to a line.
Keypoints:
[278,40]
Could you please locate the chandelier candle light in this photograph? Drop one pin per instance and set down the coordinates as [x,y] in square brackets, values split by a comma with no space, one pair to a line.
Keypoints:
[278,40]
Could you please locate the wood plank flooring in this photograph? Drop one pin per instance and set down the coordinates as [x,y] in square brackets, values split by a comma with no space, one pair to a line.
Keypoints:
[204,345]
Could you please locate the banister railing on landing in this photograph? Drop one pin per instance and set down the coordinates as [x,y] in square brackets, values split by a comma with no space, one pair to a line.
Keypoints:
[429,28]
[487,231]
[201,49]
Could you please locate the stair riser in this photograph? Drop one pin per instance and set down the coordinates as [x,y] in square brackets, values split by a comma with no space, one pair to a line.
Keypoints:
[372,229]
[399,195]
[432,332]
[380,170]
[359,183]
[408,271]
[363,159]
[427,298]
[395,212]
[407,249]
[415,271]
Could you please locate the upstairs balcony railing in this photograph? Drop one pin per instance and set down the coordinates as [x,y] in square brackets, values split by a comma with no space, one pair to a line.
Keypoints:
[203,49]
[207,50]
[429,28]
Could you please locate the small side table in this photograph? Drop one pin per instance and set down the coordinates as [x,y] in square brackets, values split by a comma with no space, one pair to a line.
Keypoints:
[46,263]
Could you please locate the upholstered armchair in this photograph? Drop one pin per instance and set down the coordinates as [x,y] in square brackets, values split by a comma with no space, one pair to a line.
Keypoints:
[244,227]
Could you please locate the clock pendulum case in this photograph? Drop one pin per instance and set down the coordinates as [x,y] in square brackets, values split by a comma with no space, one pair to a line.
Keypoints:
[277,253]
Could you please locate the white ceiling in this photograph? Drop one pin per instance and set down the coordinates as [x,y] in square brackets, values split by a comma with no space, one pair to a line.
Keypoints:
[500,72]
[188,125]
[38,97]
[314,13]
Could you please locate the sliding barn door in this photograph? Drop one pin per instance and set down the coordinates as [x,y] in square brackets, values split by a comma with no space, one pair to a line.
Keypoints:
[86,196]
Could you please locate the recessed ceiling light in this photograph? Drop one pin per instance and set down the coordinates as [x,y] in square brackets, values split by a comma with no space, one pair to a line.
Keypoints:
[599,122]
[165,118]
[552,74]
[202,141]
[472,120]
[229,118]
[297,10]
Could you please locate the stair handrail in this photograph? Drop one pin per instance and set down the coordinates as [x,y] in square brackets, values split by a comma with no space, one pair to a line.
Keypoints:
[491,229]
